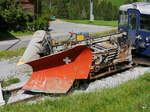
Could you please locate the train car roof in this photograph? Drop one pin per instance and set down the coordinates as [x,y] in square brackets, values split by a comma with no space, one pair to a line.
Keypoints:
[143,7]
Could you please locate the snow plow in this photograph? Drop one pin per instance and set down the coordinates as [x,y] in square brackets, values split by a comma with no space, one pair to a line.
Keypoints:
[56,73]
[78,59]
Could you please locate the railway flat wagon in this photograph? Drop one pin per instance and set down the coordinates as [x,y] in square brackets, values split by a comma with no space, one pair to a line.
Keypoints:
[77,60]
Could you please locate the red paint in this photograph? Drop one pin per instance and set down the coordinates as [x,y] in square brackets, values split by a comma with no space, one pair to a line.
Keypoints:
[52,75]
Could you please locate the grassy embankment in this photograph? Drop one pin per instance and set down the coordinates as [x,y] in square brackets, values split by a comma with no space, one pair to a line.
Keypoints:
[13,35]
[10,81]
[132,96]
[19,33]
[103,33]
[96,22]
[121,2]
[9,54]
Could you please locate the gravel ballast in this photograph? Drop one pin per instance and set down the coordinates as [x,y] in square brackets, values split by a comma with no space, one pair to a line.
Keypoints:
[9,69]
[117,79]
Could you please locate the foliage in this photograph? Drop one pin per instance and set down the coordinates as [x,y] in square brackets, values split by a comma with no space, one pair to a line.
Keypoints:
[133,96]
[104,10]
[12,16]
[10,81]
[39,23]
[80,9]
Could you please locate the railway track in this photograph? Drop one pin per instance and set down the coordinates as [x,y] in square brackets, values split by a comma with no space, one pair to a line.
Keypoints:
[17,95]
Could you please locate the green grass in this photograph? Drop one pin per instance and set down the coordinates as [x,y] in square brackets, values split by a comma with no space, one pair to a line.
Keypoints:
[132,96]
[91,35]
[96,22]
[119,2]
[9,54]
[103,33]
[13,35]
[20,33]
[10,81]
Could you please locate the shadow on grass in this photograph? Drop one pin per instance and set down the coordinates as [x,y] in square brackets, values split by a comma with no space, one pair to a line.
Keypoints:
[6,36]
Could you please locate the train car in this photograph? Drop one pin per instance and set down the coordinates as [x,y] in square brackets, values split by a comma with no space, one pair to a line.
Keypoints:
[135,20]
[79,59]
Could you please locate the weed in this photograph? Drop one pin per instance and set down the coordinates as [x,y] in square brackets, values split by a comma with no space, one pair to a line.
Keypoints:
[10,81]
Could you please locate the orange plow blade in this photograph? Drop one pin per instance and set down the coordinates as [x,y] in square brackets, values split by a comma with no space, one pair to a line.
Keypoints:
[56,73]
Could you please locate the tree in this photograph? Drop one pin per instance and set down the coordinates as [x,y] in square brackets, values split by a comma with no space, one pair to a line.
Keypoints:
[12,15]
[79,9]
[62,9]
[131,1]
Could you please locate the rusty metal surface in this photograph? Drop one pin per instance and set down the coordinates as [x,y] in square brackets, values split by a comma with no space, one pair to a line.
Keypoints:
[110,57]
[141,60]
[56,73]
[108,72]
[124,54]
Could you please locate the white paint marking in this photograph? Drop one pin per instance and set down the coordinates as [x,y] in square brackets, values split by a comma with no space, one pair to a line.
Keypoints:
[67,60]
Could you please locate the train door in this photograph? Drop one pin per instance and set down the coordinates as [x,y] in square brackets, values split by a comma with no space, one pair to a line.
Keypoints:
[123,21]
[133,24]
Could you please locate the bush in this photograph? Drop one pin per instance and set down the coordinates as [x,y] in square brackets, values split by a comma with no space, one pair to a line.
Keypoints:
[3,24]
[38,24]
[104,10]
[41,23]
[78,9]
[12,16]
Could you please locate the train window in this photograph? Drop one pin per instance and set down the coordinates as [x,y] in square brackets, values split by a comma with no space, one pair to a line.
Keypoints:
[123,18]
[132,21]
[145,22]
